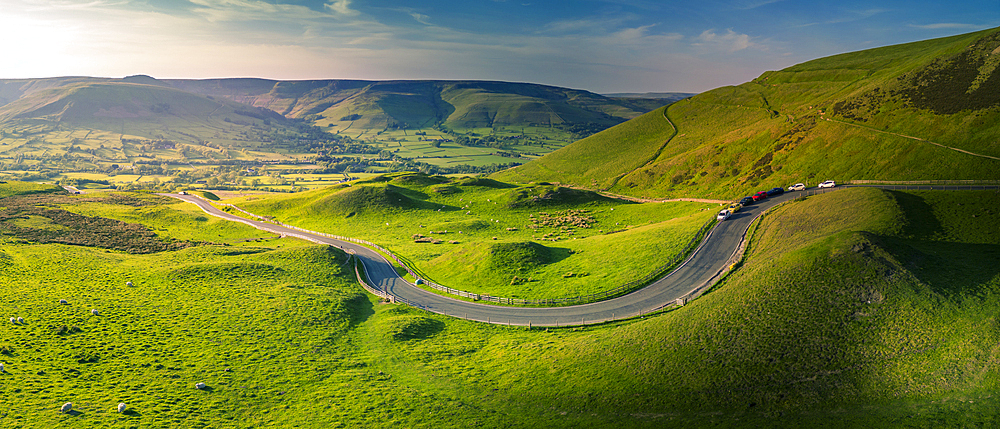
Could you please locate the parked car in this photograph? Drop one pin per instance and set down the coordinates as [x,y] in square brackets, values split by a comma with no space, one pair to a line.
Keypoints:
[734,207]
[759,196]
[775,191]
[723,215]
[827,184]
[746,201]
[797,187]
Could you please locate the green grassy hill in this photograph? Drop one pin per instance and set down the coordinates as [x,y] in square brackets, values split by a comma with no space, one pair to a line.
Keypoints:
[359,105]
[858,308]
[133,108]
[865,115]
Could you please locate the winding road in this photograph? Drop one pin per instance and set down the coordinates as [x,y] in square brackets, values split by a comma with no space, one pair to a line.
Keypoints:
[693,276]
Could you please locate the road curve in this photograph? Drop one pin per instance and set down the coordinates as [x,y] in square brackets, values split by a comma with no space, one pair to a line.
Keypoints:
[708,260]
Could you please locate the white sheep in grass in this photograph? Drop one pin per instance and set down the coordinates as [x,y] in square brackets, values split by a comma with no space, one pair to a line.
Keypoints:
[1,367]
[94,312]
[13,320]
[20,320]
[128,283]
[122,407]
[67,407]
[63,301]
[200,386]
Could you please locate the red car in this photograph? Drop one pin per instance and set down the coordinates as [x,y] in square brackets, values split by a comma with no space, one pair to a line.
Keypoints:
[760,196]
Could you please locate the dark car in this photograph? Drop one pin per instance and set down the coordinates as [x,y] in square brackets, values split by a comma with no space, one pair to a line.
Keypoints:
[746,201]
[760,196]
[775,191]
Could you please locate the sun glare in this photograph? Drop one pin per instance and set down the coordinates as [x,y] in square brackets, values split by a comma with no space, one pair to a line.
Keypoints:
[36,48]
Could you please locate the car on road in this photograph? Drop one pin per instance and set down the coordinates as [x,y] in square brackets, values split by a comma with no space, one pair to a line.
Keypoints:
[797,187]
[734,207]
[723,215]
[746,201]
[775,191]
[759,196]
[827,184]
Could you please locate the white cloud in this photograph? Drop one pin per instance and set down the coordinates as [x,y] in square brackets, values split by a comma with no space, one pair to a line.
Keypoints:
[342,7]
[729,42]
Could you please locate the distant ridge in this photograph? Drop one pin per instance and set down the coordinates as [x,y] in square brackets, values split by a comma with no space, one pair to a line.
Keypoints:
[670,96]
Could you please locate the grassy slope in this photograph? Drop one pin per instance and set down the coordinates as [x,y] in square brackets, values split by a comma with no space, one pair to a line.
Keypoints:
[477,217]
[599,160]
[136,109]
[769,132]
[823,325]
[835,319]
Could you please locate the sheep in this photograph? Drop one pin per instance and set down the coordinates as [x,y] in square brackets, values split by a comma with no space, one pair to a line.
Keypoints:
[94,312]
[20,320]
[129,284]
[13,320]
[122,407]
[200,386]
[67,407]
[1,367]
[63,302]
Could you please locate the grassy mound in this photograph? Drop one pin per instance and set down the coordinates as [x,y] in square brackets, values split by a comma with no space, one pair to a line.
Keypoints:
[516,257]
[482,181]
[358,199]
[416,179]
[497,263]
[341,202]
[549,195]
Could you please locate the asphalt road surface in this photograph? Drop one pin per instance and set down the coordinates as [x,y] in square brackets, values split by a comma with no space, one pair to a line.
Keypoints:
[708,260]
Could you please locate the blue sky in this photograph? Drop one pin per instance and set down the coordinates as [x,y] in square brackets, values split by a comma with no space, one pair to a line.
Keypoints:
[597,45]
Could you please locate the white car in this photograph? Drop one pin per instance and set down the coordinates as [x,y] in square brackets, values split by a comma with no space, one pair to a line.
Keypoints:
[797,187]
[723,215]
[827,184]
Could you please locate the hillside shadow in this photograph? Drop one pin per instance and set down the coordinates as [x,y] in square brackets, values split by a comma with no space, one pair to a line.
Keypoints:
[359,309]
[948,268]
[557,254]
[920,220]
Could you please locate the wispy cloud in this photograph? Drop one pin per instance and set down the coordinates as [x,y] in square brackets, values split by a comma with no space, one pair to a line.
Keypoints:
[342,7]
[848,16]
[421,18]
[753,4]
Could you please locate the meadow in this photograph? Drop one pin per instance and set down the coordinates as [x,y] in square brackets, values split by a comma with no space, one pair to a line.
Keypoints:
[577,242]
[832,320]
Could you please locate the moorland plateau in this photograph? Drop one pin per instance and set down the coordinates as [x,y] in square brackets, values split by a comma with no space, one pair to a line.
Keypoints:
[856,308]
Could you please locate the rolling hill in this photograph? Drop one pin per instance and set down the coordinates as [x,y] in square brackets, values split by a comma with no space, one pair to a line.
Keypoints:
[453,126]
[420,104]
[889,113]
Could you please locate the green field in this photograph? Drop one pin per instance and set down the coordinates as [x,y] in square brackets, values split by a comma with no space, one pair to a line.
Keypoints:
[587,243]
[862,307]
